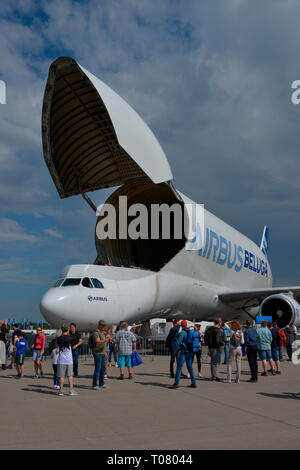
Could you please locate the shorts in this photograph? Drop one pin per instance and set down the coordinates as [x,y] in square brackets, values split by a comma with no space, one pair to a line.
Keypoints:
[19,360]
[64,370]
[124,360]
[265,354]
[276,353]
[37,355]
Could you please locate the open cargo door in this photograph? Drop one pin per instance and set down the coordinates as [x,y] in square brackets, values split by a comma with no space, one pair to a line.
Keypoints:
[92,138]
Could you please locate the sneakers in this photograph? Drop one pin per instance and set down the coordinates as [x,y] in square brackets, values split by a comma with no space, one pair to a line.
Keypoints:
[264,374]
[278,372]
[73,393]
[251,380]
[121,377]
[130,377]
[174,386]
[199,375]
[103,386]
[216,379]
[188,375]
[56,387]
[192,386]
[35,376]
[96,387]
[61,393]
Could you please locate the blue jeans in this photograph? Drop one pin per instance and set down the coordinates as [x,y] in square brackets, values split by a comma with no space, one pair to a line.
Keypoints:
[75,355]
[184,357]
[112,352]
[99,372]
[55,376]
[224,348]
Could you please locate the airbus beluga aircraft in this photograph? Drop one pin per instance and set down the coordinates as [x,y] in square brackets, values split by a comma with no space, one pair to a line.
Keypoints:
[93,139]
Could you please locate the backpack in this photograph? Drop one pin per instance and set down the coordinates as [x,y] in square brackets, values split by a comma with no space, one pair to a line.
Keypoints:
[236,339]
[282,338]
[226,335]
[213,337]
[190,342]
[91,341]
[52,345]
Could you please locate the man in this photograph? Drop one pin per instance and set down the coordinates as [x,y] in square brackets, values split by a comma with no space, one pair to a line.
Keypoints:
[250,341]
[172,344]
[264,341]
[99,348]
[76,344]
[226,340]
[185,356]
[275,346]
[213,339]
[290,338]
[125,345]
[20,345]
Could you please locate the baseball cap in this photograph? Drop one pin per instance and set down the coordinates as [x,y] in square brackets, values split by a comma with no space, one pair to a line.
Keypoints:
[184,323]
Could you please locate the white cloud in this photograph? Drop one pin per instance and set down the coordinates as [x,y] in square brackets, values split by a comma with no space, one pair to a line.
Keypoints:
[11,231]
[53,233]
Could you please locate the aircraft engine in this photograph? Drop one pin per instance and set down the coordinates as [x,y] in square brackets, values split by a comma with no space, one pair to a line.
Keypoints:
[283,308]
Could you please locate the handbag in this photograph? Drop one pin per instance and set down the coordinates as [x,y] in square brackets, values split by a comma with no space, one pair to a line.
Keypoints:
[136,359]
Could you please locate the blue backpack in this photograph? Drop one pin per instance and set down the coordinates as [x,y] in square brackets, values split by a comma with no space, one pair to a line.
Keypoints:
[191,342]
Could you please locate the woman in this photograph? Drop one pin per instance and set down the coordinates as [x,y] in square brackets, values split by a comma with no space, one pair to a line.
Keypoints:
[3,342]
[197,347]
[235,350]
[38,351]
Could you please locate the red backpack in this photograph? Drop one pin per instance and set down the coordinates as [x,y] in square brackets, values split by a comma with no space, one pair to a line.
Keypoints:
[282,338]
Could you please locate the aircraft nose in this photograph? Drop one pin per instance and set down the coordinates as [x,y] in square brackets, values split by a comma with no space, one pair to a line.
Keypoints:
[52,307]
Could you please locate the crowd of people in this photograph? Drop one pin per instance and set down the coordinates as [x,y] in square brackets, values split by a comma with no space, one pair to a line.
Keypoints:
[265,342]
[185,343]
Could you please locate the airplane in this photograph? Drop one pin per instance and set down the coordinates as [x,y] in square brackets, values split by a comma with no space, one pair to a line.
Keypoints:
[92,139]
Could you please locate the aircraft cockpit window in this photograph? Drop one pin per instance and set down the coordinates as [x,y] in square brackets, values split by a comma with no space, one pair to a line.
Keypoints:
[97,284]
[58,283]
[71,282]
[86,282]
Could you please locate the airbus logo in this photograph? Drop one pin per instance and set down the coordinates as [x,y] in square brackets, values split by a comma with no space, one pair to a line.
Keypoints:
[102,299]
[224,252]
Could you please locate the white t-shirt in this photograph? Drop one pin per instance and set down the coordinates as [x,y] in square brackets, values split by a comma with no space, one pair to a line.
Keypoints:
[65,353]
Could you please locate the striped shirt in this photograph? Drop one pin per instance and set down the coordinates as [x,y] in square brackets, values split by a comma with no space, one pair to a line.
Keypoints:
[264,338]
[124,340]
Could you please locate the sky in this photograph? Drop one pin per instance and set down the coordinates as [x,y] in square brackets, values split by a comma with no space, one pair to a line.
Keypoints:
[212,79]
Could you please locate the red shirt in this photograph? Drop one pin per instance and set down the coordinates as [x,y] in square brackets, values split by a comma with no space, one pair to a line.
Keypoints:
[39,342]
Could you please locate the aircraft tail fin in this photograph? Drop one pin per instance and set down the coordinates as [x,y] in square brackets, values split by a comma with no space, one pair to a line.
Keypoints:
[264,241]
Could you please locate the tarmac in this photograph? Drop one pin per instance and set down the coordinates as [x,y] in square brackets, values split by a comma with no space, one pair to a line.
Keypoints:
[145,414]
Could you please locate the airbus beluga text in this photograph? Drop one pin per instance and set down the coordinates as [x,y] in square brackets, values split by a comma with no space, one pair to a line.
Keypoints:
[93,139]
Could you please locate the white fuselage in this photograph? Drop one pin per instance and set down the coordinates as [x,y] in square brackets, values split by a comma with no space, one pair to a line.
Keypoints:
[186,287]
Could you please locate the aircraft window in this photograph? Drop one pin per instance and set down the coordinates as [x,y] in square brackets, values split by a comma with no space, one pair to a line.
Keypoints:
[86,282]
[97,284]
[71,282]
[58,283]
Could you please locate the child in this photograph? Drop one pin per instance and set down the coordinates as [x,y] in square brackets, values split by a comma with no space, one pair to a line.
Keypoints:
[65,361]
[20,345]
[54,356]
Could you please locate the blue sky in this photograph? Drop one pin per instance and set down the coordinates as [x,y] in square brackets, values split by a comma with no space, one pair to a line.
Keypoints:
[212,80]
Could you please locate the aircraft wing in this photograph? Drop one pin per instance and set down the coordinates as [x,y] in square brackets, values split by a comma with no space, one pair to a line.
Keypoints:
[252,298]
